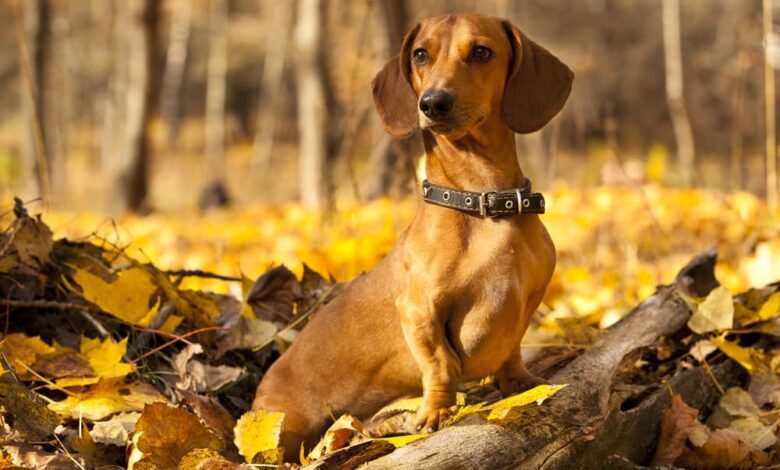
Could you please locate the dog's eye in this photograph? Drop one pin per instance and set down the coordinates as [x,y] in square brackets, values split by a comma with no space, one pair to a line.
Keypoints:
[420,56]
[481,54]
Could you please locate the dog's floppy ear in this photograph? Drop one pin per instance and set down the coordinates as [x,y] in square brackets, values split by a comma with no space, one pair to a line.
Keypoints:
[394,97]
[537,84]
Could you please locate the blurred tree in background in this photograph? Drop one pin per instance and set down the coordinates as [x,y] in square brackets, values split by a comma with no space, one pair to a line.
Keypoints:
[157,104]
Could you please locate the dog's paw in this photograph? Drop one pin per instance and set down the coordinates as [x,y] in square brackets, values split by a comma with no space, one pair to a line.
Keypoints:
[429,419]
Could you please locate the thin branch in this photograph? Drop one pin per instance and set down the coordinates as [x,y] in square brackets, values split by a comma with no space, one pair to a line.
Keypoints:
[201,273]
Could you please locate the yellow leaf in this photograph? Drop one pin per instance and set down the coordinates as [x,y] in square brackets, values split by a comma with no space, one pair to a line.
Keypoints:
[400,441]
[105,357]
[464,411]
[749,358]
[22,351]
[715,313]
[127,298]
[536,395]
[257,435]
[107,398]
[771,307]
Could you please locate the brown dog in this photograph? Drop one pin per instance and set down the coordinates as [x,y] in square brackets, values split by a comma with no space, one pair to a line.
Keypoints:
[454,297]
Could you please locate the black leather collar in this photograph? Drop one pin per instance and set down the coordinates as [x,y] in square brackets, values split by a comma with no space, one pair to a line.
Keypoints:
[487,204]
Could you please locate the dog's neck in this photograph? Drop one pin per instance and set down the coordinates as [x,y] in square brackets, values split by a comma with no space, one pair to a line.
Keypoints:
[473,161]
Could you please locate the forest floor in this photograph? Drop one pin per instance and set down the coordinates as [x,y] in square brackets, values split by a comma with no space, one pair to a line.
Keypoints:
[141,339]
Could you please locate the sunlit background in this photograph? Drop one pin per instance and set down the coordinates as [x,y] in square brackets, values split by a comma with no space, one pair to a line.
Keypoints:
[179,128]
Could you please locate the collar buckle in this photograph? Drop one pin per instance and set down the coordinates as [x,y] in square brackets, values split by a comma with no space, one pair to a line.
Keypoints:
[484,204]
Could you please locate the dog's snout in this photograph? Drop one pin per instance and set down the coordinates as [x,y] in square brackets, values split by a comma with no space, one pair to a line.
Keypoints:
[436,103]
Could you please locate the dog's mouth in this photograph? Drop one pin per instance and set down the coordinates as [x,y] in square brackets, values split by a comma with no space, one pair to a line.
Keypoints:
[449,125]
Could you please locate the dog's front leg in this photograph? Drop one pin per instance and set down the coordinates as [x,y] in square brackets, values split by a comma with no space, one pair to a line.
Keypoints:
[424,330]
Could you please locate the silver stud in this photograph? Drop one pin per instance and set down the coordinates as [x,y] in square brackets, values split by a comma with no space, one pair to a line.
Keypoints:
[541,203]
[509,204]
[468,201]
[526,202]
[446,196]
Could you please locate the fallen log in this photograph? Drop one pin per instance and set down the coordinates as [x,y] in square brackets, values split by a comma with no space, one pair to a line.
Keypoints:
[594,422]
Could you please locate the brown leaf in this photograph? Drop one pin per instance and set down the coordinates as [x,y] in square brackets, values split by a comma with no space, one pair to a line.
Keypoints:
[678,421]
[722,450]
[64,364]
[211,412]
[247,333]
[337,436]
[313,287]
[198,376]
[167,434]
[765,388]
[33,456]
[273,295]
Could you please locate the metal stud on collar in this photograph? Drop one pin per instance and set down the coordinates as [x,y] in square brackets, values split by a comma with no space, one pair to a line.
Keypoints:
[446,195]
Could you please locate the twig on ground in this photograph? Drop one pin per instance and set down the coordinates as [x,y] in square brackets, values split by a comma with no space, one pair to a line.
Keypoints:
[201,273]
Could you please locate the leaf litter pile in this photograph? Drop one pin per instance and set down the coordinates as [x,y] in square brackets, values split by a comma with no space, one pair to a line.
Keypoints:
[111,361]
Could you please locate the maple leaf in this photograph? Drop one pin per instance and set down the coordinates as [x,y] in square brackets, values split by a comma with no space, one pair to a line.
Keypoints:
[22,352]
[105,360]
[128,297]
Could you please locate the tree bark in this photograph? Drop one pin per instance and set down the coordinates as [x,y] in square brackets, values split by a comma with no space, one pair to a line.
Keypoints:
[35,56]
[141,97]
[593,421]
[769,104]
[674,88]
[278,26]
[175,65]
[313,102]
[215,92]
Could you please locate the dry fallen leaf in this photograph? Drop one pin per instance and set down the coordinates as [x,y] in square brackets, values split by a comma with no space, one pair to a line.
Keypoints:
[131,297]
[274,294]
[677,423]
[765,387]
[211,413]
[107,398]
[201,377]
[247,333]
[167,434]
[723,449]
[738,402]
[257,436]
[22,352]
[117,430]
[337,436]
[715,313]
[753,432]
[104,357]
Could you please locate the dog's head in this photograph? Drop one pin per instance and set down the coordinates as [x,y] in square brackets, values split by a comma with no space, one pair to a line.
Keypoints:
[456,71]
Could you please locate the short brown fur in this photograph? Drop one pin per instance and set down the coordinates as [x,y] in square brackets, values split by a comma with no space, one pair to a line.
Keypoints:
[454,297]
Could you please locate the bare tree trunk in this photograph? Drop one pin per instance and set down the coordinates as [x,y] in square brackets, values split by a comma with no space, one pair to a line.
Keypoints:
[312,102]
[140,100]
[35,54]
[215,92]
[175,64]
[278,24]
[769,103]
[392,166]
[674,88]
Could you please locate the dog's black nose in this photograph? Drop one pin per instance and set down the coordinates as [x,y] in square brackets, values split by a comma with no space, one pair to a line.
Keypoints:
[436,103]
